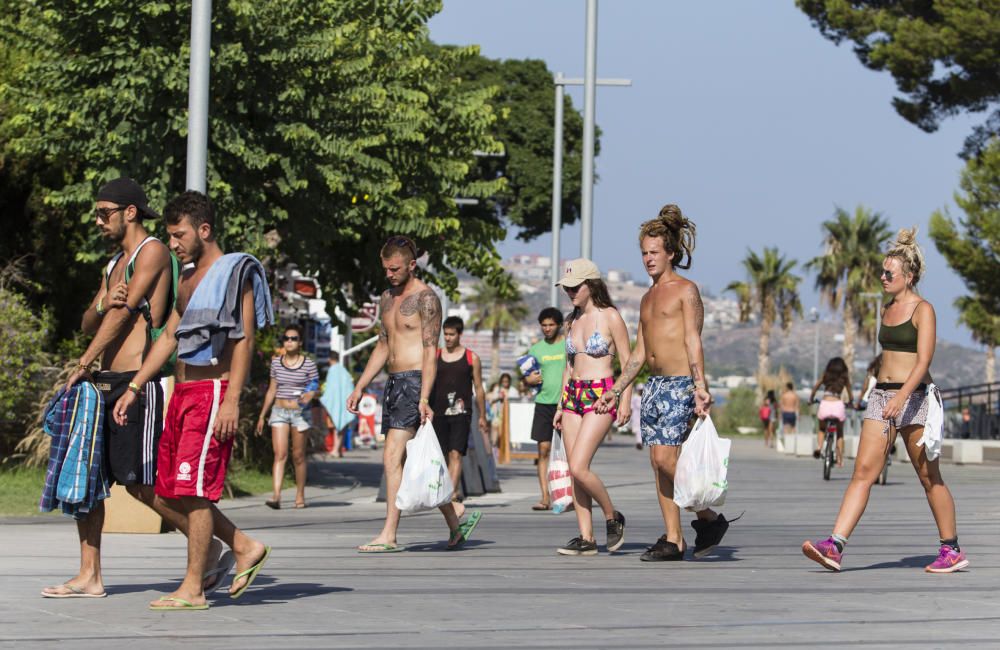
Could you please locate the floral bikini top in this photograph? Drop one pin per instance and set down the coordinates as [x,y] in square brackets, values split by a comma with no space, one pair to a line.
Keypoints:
[596,346]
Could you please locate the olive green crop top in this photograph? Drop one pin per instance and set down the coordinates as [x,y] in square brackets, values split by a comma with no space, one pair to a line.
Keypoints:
[899,338]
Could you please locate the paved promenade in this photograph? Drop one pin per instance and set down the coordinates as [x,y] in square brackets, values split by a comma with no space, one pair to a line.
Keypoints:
[508,588]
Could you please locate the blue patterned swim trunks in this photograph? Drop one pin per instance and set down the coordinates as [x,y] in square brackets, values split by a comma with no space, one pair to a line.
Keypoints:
[667,410]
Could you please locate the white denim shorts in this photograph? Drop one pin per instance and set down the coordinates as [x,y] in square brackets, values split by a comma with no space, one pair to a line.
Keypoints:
[292,417]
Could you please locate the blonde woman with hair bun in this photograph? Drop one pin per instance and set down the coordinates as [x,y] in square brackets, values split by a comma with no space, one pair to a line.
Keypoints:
[898,404]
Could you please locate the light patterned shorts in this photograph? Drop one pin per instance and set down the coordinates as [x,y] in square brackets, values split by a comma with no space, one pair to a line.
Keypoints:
[914,411]
[667,410]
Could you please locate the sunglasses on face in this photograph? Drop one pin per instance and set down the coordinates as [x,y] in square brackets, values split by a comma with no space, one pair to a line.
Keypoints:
[289,338]
[571,290]
[104,214]
[887,275]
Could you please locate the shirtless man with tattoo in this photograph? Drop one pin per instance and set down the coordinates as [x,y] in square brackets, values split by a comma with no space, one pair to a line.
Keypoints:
[669,341]
[411,325]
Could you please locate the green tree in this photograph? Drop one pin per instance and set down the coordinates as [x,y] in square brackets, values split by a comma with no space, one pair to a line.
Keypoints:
[849,268]
[942,54]
[24,342]
[985,328]
[770,293]
[332,123]
[525,106]
[971,245]
[498,311]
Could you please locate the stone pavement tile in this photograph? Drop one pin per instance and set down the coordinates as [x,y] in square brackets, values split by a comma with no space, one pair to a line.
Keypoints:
[508,588]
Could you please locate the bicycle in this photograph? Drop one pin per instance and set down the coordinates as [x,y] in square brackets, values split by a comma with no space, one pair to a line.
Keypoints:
[829,451]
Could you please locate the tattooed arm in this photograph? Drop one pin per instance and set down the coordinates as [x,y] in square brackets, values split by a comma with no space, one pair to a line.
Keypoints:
[429,308]
[379,355]
[693,312]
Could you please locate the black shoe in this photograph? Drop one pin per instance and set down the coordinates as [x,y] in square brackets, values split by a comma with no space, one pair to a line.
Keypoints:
[578,546]
[638,446]
[662,551]
[815,453]
[616,532]
[708,534]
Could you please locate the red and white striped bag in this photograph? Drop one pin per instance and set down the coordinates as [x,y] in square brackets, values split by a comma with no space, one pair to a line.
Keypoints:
[560,481]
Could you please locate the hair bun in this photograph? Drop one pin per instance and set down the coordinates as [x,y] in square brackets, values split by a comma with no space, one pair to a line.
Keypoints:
[907,237]
[672,217]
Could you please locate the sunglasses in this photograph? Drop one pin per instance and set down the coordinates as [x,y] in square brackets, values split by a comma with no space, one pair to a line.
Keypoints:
[289,338]
[571,290]
[104,214]
[887,275]
[403,242]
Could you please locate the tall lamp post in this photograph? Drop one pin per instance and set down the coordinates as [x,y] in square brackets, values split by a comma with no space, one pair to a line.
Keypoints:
[198,74]
[876,298]
[560,83]
[814,317]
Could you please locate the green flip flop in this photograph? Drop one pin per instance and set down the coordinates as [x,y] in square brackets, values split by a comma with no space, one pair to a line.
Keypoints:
[469,524]
[184,605]
[380,548]
[250,574]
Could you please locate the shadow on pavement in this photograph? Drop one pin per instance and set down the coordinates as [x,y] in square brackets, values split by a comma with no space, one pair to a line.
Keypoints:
[912,562]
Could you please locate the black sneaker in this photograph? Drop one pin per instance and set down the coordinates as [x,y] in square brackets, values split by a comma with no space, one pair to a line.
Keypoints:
[708,534]
[578,546]
[662,551]
[616,532]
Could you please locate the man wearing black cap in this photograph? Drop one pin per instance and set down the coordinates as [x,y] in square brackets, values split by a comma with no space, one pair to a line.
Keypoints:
[135,295]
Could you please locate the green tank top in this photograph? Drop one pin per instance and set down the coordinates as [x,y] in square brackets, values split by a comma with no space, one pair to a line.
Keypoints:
[153,332]
[899,338]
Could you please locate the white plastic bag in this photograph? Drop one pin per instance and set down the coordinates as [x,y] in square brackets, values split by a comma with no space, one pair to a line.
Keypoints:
[560,481]
[700,479]
[426,483]
[933,426]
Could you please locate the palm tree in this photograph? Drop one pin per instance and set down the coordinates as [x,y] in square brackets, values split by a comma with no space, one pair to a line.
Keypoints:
[498,311]
[974,313]
[771,291]
[849,269]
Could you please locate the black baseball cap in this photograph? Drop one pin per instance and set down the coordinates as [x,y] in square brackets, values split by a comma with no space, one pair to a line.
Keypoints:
[125,191]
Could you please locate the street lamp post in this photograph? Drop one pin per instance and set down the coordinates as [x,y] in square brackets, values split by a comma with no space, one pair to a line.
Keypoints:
[814,317]
[198,75]
[589,102]
[560,83]
[877,299]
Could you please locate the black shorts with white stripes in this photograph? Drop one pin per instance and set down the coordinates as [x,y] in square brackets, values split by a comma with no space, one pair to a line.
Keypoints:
[130,450]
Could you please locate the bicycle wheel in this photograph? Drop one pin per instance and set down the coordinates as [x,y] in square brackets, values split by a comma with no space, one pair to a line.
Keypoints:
[828,455]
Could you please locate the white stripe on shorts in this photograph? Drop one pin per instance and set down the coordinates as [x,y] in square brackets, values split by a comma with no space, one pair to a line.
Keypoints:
[148,433]
[216,396]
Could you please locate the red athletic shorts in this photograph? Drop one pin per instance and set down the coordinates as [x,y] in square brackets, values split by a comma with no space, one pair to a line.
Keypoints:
[191,461]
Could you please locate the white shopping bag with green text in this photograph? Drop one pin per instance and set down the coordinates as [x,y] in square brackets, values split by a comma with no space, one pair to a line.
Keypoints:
[700,478]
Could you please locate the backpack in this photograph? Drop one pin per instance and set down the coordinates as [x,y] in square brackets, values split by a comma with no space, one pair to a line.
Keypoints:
[153,332]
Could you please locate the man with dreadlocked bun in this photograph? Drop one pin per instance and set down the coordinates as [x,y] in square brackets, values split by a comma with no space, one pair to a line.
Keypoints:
[669,341]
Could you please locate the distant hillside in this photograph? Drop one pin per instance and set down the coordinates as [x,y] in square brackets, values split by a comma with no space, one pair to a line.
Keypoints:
[734,351]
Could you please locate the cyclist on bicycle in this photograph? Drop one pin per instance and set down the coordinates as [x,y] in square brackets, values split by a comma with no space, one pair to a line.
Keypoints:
[835,380]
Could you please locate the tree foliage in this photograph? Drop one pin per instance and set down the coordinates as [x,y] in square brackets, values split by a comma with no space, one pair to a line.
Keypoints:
[849,268]
[526,107]
[497,311]
[942,54]
[332,123]
[24,339]
[770,293]
[972,244]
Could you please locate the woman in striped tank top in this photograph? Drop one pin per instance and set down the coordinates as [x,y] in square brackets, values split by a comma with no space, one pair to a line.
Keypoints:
[294,382]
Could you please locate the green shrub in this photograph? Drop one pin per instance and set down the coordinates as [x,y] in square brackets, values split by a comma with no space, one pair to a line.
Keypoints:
[26,364]
[740,410]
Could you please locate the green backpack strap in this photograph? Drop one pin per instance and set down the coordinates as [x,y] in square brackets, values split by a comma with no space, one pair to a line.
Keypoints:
[155,332]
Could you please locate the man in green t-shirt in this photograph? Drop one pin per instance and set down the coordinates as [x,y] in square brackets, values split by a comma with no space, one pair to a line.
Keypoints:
[551,355]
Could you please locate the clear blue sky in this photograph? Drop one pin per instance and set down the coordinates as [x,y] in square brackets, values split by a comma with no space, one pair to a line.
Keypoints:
[742,114]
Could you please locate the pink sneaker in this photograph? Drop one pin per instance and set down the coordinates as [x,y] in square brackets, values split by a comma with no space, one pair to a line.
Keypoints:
[824,552]
[948,561]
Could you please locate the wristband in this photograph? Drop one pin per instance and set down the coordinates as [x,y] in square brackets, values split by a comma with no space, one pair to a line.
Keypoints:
[134,387]
[100,307]
[424,400]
